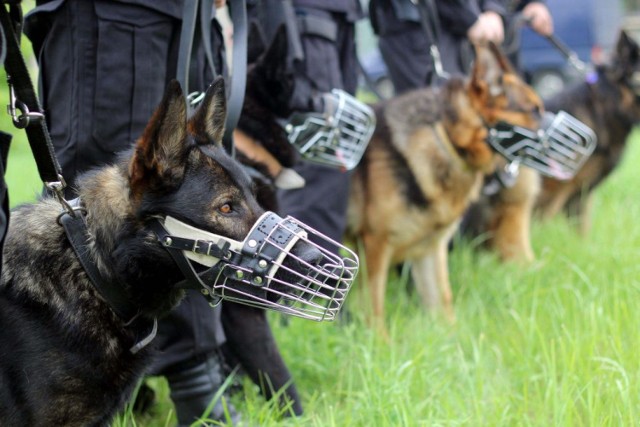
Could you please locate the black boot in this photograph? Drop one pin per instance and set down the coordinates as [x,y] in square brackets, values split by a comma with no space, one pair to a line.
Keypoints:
[193,389]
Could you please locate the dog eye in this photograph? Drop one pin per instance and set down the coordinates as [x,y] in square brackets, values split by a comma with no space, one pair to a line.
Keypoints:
[225,209]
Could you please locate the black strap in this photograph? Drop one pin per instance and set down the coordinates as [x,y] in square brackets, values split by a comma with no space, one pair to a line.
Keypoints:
[205,8]
[31,118]
[430,23]
[5,141]
[113,293]
[189,20]
[238,10]
[192,280]
[202,247]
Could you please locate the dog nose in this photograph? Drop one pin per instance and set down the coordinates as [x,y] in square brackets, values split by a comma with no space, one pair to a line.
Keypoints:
[307,256]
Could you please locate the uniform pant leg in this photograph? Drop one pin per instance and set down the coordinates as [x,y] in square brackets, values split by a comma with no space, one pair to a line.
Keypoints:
[327,64]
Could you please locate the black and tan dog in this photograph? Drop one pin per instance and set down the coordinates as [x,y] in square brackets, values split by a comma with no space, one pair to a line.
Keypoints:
[65,355]
[609,103]
[424,165]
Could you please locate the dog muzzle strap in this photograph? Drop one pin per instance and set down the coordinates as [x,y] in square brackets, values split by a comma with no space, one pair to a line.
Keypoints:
[277,266]
[558,149]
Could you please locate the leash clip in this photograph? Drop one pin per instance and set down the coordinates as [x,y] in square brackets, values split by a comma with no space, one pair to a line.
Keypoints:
[26,117]
[57,188]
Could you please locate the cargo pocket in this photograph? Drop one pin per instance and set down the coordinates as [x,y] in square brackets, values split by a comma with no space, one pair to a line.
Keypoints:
[131,65]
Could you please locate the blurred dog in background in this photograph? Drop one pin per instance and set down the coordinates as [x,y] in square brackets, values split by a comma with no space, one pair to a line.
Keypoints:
[608,101]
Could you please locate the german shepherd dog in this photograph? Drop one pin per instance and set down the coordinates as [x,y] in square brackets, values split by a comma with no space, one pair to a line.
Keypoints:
[609,103]
[423,167]
[65,355]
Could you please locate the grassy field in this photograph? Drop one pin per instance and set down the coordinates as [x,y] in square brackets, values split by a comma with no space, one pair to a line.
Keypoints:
[553,343]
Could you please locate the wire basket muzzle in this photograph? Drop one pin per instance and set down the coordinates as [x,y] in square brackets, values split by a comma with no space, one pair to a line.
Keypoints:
[289,267]
[282,265]
[338,136]
[558,149]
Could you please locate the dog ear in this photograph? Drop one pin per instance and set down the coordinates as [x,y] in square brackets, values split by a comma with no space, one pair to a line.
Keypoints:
[272,76]
[256,44]
[275,58]
[160,152]
[626,57]
[207,123]
[489,69]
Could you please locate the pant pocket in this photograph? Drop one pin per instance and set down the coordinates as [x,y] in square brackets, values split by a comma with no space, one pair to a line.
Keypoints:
[134,44]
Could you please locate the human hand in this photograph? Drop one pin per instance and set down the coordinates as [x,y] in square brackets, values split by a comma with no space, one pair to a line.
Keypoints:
[488,27]
[539,18]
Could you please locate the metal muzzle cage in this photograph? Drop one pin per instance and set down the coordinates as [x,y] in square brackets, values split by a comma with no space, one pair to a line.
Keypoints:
[558,149]
[336,137]
[282,265]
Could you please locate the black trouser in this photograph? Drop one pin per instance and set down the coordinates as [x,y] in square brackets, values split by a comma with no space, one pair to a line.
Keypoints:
[328,63]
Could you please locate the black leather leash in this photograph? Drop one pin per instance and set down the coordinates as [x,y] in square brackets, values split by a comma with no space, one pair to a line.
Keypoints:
[192,26]
[238,10]
[24,100]
[430,23]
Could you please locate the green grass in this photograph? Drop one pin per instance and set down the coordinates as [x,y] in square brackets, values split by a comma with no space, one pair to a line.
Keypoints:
[553,343]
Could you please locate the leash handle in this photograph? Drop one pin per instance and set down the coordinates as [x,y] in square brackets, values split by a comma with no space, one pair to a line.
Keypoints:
[568,53]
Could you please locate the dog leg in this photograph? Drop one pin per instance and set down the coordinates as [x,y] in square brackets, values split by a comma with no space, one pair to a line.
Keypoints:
[431,276]
[578,210]
[511,232]
[378,259]
[250,339]
[555,198]
[584,216]
[511,219]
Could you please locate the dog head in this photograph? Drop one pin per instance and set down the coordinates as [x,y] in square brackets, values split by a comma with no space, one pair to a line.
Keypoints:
[493,93]
[179,170]
[499,94]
